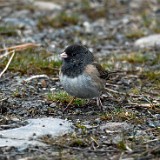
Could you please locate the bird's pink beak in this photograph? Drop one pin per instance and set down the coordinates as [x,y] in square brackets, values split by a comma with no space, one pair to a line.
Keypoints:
[63,55]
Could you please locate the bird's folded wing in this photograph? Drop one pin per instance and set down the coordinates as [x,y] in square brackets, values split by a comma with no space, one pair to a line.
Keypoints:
[102,72]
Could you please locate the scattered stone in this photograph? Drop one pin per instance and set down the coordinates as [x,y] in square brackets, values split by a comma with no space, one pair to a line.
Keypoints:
[53,105]
[139,134]
[43,5]
[148,42]
[154,124]
[136,4]
[87,27]
[116,138]
[20,22]
[97,120]
[116,127]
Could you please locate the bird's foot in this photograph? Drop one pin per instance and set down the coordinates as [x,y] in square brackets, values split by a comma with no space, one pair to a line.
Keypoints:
[99,104]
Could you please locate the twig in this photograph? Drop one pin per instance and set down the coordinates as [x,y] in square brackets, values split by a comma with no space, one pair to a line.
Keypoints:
[146,105]
[8,63]
[86,150]
[109,84]
[150,141]
[55,79]
[3,99]
[36,77]
[21,47]
[111,90]
[6,54]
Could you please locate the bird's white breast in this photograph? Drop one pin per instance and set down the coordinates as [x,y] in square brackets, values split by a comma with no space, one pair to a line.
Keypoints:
[80,86]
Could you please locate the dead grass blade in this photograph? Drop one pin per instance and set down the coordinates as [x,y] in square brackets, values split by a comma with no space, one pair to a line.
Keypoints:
[20,47]
[8,63]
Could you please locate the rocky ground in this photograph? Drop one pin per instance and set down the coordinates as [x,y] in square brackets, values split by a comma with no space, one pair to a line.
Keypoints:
[124,35]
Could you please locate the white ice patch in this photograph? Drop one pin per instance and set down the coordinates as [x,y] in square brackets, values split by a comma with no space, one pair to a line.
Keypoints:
[35,128]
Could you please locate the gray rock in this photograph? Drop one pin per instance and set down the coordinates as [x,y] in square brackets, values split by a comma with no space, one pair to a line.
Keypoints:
[136,4]
[53,105]
[116,127]
[87,27]
[47,5]
[20,22]
[148,42]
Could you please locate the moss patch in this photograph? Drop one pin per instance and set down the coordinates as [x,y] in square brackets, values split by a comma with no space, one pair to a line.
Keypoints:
[135,34]
[64,97]
[90,12]
[32,61]
[63,19]
[8,30]
[122,115]
[135,57]
[152,75]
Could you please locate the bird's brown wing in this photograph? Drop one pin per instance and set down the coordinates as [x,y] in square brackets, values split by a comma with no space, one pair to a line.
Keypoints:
[94,73]
[102,72]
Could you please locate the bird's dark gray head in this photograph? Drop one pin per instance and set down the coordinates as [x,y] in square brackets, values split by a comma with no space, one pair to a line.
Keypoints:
[76,57]
[76,52]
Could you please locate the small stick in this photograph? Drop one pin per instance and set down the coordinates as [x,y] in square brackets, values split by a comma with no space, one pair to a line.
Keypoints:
[68,105]
[36,77]
[3,99]
[20,47]
[109,84]
[8,63]
[6,54]
[113,91]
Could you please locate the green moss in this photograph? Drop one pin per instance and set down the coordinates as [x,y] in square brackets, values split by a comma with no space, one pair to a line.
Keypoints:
[85,4]
[80,126]
[119,114]
[16,93]
[63,19]
[92,13]
[150,21]
[146,19]
[28,6]
[151,75]
[121,145]
[78,143]
[95,13]
[107,65]
[32,61]
[105,8]
[8,30]
[156,59]
[60,96]
[156,29]
[135,91]
[135,57]
[135,34]
[64,97]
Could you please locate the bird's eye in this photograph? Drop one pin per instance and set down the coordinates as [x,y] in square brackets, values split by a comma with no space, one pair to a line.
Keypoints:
[73,54]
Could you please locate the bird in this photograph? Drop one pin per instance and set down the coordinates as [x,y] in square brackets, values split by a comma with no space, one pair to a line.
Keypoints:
[80,75]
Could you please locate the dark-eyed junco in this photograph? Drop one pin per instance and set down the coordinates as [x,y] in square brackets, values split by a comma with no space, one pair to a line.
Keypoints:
[80,76]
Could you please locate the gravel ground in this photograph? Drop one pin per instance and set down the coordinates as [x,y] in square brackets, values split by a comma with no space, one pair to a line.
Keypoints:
[129,126]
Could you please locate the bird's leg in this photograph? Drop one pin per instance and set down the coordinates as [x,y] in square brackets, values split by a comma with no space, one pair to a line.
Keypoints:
[88,101]
[99,103]
[69,104]
[71,101]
